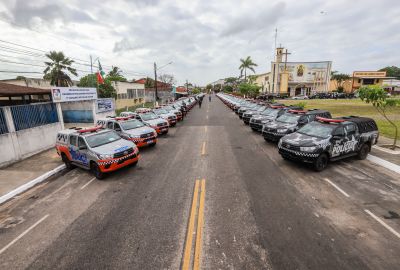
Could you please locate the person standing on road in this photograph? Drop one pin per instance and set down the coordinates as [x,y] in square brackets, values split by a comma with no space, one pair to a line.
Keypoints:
[200,101]
[209,97]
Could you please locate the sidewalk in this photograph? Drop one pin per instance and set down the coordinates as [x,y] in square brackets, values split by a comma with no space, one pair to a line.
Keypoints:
[393,158]
[24,171]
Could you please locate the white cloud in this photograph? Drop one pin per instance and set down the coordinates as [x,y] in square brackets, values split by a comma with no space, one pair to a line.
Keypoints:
[205,39]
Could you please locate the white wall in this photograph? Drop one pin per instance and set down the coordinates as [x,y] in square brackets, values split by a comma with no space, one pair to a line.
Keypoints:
[28,142]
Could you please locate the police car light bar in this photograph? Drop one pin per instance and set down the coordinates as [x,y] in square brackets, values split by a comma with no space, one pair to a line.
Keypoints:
[330,120]
[297,111]
[122,118]
[93,129]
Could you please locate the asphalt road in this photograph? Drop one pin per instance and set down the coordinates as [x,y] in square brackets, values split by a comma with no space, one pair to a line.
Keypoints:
[260,212]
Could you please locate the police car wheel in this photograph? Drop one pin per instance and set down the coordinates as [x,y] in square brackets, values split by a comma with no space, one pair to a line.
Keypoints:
[67,162]
[96,171]
[321,162]
[363,153]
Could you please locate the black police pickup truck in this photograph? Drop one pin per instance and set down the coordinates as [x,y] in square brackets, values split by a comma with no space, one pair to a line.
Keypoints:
[329,139]
[290,122]
[268,115]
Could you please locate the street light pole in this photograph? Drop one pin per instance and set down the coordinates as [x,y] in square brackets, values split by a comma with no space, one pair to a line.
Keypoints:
[155,80]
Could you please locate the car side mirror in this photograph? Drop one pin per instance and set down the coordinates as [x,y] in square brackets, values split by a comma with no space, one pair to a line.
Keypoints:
[117,129]
[337,137]
[82,147]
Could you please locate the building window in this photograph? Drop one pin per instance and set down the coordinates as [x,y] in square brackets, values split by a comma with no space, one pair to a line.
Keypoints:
[377,80]
[359,80]
[368,81]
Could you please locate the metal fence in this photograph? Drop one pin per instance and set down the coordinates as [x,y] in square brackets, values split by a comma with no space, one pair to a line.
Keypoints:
[34,115]
[3,123]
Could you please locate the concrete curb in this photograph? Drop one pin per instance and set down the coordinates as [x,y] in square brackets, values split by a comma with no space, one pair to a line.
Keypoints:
[30,184]
[384,163]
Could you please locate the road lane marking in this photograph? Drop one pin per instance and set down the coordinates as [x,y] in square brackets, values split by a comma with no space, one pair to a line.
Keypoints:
[382,223]
[190,231]
[22,234]
[90,181]
[200,221]
[203,149]
[338,188]
[207,117]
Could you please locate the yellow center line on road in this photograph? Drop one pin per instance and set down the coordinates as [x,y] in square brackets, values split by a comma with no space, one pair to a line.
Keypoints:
[200,221]
[203,149]
[190,231]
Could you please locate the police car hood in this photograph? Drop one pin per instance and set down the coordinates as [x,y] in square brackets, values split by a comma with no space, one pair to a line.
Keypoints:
[113,147]
[264,117]
[155,122]
[299,139]
[140,130]
[280,125]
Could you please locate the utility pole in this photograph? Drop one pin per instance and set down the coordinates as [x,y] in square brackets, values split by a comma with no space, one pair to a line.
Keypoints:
[155,79]
[187,87]
[276,35]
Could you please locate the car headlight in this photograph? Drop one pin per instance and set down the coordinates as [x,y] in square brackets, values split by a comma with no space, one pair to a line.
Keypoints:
[280,143]
[308,149]
[104,156]
[282,130]
[265,121]
[134,136]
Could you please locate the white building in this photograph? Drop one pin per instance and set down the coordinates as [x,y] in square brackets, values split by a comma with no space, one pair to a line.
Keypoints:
[128,94]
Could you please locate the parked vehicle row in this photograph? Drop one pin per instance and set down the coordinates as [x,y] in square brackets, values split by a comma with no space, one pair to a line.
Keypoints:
[308,136]
[115,141]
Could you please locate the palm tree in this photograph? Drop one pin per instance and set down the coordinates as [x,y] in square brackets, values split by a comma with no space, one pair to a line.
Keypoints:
[246,64]
[55,70]
[115,72]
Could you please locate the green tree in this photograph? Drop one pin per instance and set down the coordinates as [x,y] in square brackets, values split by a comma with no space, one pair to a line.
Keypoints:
[88,81]
[375,95]
[196,91]
[339,79]
[392,71]
[248,89]
[246,64]
[115,74]
[56,69]
[227,88]
[105,90]
[149,83]
[230,80]
[209,87]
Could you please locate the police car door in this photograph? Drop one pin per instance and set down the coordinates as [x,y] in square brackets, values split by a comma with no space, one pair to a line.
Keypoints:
[74,150]
[352,138]
[83,152]
[338,140]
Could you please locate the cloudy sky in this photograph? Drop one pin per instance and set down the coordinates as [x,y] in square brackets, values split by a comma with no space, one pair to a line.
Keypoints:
[203,38]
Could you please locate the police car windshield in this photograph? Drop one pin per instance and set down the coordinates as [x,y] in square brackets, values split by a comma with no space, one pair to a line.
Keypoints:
[131,124]
[103,138]
[316,129]
[149,116]
[288,118]
[160,111]
[269,111]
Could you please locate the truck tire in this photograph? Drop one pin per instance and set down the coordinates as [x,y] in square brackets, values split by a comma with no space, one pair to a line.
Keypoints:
[363,153]
[96,171]
[321,162]
[67,162]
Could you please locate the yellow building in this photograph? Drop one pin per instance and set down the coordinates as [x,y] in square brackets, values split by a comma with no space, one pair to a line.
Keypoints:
[359,79]
[262,80]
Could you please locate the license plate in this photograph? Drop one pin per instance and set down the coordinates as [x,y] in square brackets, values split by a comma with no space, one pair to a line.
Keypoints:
[163,129]
[150,141]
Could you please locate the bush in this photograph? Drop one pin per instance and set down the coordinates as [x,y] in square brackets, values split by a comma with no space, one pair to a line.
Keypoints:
[301,104]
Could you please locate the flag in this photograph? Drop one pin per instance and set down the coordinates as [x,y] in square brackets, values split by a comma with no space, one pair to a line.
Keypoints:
[100,75]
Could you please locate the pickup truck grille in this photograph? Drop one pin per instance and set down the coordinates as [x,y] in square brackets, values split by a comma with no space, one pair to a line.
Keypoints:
[123,153]
[147,135]
[291,146]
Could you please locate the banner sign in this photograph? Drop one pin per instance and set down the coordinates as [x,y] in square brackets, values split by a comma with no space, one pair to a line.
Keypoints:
[67,94]
[104,105]
[307,72]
